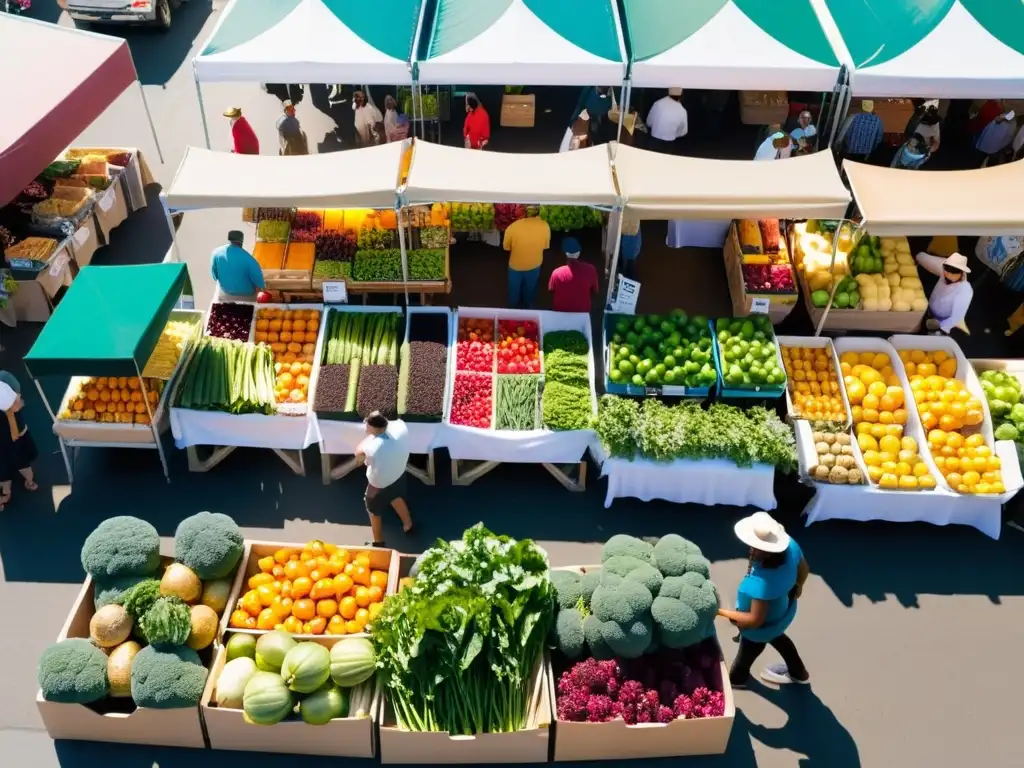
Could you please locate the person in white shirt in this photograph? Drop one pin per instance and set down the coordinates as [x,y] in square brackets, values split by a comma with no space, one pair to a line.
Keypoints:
[951,296]
[385,451]
[804,130]
[667,122]
[777,146]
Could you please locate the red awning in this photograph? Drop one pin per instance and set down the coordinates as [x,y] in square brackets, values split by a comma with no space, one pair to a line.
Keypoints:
[55,82]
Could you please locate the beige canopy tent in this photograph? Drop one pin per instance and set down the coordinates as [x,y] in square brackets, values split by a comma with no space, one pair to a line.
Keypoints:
[902,202]
[358,178]
[439,173]
[657,186]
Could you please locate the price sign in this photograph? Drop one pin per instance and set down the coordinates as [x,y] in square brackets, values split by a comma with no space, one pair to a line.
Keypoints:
[759,306]
[673,390]
[59,264]
[81,236]
[651,392]
[106,201]
[335,292]
[626,296]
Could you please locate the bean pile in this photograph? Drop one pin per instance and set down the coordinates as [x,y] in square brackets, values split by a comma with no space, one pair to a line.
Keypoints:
[378,390]
[427,361]
[332,389]
[516,402]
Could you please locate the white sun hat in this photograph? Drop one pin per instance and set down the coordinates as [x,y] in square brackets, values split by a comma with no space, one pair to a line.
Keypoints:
[762,531]
[7,396]
[957,261]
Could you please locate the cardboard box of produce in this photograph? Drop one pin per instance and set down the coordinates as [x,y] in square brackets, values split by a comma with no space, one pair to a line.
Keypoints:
[779,304]
[518,111]
[117,720]
[342,737]
[763,107]
[614,740]
[380,559]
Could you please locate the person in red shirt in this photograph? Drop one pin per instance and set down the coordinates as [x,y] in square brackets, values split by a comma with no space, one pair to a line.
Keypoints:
[243,137]
[477,129]
[572,283]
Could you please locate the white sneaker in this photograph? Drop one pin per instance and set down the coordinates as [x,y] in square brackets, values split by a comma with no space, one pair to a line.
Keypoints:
[779,673]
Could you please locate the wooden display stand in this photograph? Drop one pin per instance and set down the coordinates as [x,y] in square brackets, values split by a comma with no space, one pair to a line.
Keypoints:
[779,304]
[332,471]
[518,111]
[764,107]
[573,477]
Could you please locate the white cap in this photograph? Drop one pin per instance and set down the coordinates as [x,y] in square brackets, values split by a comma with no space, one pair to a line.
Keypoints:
[7,396]
[957,262]
[1010,115]
[675,91]
[762,531]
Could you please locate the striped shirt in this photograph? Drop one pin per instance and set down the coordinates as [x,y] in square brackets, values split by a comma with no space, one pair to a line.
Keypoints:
[864,134]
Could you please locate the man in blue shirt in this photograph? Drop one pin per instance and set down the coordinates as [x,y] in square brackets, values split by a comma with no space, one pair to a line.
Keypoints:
[236,272]
[861,134]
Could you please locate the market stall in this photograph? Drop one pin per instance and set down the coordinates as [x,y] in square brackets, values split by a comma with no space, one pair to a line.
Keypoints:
[114,323]
[419,375]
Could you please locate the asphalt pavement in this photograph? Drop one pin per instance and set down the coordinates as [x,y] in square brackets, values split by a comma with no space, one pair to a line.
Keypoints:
[911,632]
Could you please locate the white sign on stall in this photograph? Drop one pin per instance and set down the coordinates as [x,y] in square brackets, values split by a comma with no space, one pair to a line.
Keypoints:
[626,296]
[759,306]
[335,292]
[59,264]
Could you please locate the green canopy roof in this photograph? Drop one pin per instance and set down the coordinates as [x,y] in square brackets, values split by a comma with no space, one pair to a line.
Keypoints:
[108,322]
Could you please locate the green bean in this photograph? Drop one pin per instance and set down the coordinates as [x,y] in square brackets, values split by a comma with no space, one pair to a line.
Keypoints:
[516,402]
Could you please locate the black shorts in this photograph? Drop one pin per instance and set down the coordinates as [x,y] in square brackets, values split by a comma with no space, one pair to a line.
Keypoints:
[381,501]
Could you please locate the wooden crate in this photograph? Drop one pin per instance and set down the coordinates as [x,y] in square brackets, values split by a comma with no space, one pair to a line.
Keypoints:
[779,306]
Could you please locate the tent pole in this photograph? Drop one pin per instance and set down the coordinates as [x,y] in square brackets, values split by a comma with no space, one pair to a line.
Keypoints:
[170,226]
[60,440]
[405,256]
[152,423]
[152,125]
[202,108]
[627,93]
[615,257]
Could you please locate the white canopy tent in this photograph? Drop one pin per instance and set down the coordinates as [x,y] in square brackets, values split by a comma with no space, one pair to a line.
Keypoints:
[358,178]
[439,173]
[901,202]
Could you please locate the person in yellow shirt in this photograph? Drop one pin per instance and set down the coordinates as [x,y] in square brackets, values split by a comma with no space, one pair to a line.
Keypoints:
[525,240]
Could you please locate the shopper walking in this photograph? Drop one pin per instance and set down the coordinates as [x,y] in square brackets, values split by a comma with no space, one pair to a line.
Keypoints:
[369,122]
[573,283]
[237,274]
[766,601]
[667,122]
[525,240]
[778,146]
[396,124]
[17,448]
[952,295]
[926,122]
[476,130]
[291,137]
[243,137]
[385,451]
[912,155]
[860,134]
[630,244]
[994,145]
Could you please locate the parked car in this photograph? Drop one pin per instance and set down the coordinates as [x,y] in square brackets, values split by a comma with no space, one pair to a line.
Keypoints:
[152,12]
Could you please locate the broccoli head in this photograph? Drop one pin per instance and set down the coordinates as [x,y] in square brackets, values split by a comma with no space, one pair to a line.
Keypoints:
[121,546]
[635,570]
[113,591]
[629,546]
[594,633]
[167,678]
[588,583]
[569,633]
[676,556]
[567,588]
[209,543]
[629,641]
[684,612]
[621,600]
[73,672]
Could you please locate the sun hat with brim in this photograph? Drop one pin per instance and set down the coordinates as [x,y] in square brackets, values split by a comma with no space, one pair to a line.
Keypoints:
[957,261]
[7,396]
[233,112]
[762,531]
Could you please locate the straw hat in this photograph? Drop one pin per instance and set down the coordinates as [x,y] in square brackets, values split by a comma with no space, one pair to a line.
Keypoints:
[957,262]
[233,112]
[867,105]
[762,531]
[675,91]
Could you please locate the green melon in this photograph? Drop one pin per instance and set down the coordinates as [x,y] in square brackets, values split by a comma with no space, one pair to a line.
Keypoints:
[306,667]
[271,649]
[266,699]
[232,681]
[241,646]
[352,662]
[324,705]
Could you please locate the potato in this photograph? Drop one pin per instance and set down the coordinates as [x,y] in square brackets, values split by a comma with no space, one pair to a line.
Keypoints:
[847,450]
[821,472]
[884,305]
[843,438]
[836,449]
[818,437]
[893,278]
[821,447]
[828,437]
[854,477]
[827,459]
[846,462]
[837,475]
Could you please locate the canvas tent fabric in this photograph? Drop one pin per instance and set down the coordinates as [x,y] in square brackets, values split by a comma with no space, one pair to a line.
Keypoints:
[85,73]
[966,49]
[901,202]
[532,42]
[657,186]
[311,41]
[109,321]
[358,178]
[745,45]
[439,173]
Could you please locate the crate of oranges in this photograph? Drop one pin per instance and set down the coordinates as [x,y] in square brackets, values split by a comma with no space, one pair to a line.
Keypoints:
[814,391]
[310,589]
[954,419]
[292,335]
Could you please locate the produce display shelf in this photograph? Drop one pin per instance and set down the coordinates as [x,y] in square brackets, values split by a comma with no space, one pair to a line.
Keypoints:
[667,390]
[743,393]
[814,342]
[129,725]
[780,304]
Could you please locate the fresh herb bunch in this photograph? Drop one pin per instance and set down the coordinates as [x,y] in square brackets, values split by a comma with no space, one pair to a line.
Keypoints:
[457,648]
[615,425]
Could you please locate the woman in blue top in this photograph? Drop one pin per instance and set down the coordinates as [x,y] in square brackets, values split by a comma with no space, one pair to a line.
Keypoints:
[766,601]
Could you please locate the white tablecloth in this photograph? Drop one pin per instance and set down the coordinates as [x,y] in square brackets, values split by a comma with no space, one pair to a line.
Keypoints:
[250,430]
[340,438]
[538,446]
[847,502]
[708,482]
[684,233]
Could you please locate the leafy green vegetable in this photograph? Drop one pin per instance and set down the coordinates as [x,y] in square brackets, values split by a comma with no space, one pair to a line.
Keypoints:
[572,342]
[456,649]
[616,422]
[566,406]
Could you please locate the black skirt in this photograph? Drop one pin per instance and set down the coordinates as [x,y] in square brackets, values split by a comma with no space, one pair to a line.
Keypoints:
[17,455]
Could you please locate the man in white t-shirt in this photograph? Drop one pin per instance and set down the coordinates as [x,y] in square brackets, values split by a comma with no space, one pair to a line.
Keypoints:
[666,122]
[385,451]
